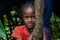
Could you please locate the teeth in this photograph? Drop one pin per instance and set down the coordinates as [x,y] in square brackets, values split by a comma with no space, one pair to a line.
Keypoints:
[30,24]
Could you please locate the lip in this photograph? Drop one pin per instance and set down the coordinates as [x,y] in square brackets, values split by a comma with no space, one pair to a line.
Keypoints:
[30,24]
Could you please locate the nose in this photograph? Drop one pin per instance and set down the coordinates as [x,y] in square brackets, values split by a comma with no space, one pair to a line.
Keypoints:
[30,19]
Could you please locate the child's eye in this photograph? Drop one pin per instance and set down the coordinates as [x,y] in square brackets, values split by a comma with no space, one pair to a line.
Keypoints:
[33,17]
[26,17]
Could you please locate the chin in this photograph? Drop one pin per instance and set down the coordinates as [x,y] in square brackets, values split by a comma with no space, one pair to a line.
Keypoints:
[30,26]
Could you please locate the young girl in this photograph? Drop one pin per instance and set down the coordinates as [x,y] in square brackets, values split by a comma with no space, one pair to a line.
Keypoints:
[23,32]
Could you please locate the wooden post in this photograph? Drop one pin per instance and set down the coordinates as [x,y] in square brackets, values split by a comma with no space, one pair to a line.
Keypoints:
[39,10]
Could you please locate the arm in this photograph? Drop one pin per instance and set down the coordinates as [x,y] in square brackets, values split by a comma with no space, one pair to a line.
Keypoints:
[44,35]
[31,36]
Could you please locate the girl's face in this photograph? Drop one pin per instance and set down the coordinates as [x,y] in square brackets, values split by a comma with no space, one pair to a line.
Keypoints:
[29,17]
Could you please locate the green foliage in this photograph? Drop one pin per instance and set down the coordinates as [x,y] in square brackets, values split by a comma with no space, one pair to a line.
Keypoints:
[2,31]
[55,27]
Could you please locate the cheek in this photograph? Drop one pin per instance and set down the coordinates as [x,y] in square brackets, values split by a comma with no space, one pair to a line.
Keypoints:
[25,20]
[34,20]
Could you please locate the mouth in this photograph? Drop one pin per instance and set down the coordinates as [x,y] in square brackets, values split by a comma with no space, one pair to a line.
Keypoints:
[30,24]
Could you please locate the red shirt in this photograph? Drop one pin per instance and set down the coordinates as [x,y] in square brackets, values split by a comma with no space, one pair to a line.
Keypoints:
[21,32]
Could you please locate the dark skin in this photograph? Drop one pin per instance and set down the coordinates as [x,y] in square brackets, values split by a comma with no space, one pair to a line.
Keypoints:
[29,20]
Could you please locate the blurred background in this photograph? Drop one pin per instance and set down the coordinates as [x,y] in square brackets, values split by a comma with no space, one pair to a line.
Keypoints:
[10,17]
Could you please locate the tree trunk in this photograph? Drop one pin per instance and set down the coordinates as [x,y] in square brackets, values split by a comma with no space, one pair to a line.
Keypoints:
[39,10]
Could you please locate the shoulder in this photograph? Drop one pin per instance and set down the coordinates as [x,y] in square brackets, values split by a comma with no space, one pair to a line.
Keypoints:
[17,32]
[20,27]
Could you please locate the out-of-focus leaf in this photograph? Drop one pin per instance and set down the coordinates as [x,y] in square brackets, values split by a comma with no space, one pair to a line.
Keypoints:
[2,31]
